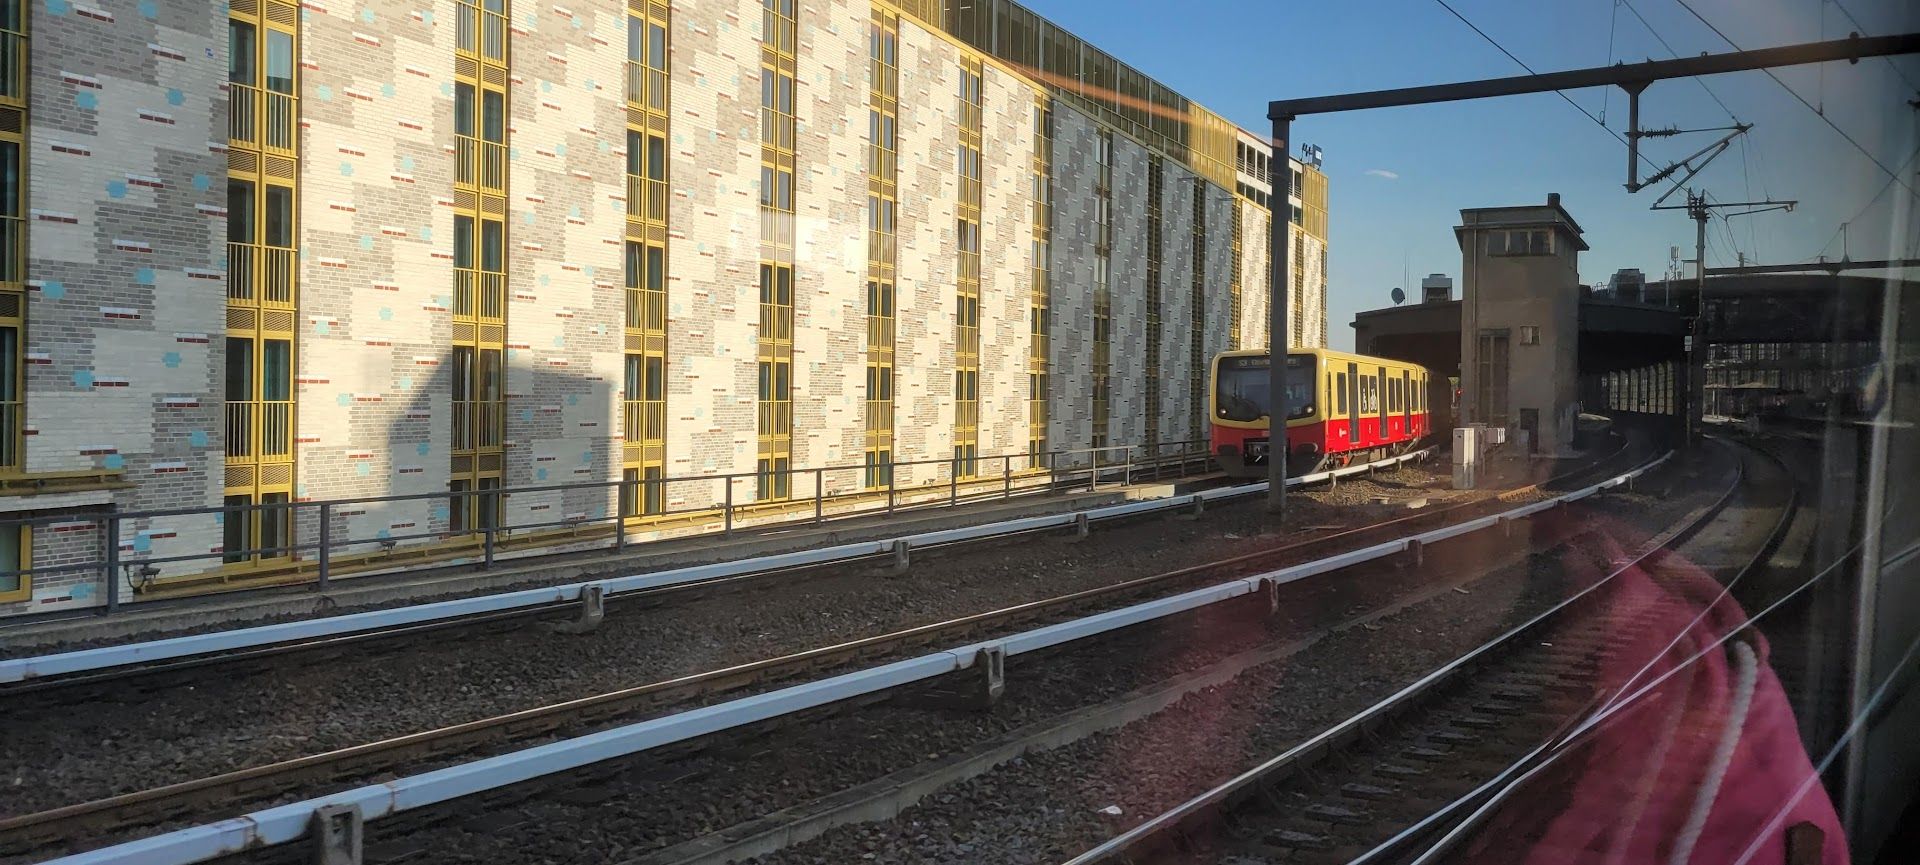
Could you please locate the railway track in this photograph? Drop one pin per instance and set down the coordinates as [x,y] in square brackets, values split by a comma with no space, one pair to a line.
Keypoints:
[60,827]
[64,827]
[1378,786]
[83,687]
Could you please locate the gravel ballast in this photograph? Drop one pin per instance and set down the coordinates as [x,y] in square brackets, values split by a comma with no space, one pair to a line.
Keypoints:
[645,804]
[649,804]
[135,739]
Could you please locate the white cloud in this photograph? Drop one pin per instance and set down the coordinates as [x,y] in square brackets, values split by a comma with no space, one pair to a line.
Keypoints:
[1383,173]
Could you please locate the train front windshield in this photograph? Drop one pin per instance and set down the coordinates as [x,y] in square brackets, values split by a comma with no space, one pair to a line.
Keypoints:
[1241,388]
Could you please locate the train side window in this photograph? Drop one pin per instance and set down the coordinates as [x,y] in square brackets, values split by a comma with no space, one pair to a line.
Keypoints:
[1341,391]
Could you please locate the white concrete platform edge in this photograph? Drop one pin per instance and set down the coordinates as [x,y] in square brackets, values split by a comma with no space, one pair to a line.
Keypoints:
[287,823]
[108,657]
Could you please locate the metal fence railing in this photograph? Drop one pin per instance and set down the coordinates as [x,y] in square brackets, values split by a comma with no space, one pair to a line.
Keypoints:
[313,542]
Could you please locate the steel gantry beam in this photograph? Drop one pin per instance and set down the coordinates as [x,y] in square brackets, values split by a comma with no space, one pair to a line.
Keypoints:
[1618,75]
[1633,78]
[1816,267]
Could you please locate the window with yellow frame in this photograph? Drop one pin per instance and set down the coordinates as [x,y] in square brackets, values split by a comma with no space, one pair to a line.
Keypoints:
[16,559]
[13,234]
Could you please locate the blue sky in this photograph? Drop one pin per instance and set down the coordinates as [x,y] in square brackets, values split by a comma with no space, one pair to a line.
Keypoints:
[1517,149]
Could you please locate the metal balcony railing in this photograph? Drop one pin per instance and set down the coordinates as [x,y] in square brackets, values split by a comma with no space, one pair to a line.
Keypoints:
[879,332]
[646,87]
[879,418]
[775,418]
[12,415]
[260,275]
[260,430]
[263,119]
[479,295]
[479,164]
[478,424]
[776,129]
[776,324]
[646,198]
[882,163]
[480,33]
[13,251]
[646,310]
[645,420]
[881,246]
[779,31]
[969,189]
[884,79]
[243,115]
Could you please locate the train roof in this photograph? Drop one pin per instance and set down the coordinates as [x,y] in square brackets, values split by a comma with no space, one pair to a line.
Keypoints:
[1324,354]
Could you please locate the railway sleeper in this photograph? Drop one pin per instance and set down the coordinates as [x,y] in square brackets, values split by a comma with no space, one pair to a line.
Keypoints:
[1369,792]
[1294,839]
[1398,770]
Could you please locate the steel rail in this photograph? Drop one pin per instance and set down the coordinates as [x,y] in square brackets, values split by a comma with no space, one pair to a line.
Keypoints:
[159,803]
[1489,794]
[1160,831]
[26,674]
[288,822]
[690,590]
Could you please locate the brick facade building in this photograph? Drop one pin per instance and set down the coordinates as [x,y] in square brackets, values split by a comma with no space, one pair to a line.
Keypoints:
[260,254]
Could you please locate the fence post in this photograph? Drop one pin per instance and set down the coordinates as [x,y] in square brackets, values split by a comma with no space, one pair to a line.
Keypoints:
[620,497]
[112,532]
[326,542]
[819,485]
[953,483]
[726,509]
[893,477]
[1006,476]
[1093,482]
[1126,471]
[488,565]
[1053,472]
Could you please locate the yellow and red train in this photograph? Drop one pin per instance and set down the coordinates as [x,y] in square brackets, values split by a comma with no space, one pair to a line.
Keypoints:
[1343,408]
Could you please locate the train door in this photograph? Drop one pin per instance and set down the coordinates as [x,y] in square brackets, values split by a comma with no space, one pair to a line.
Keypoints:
[1354,416]
[1406,404]
[1420,419]
[1380,402]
